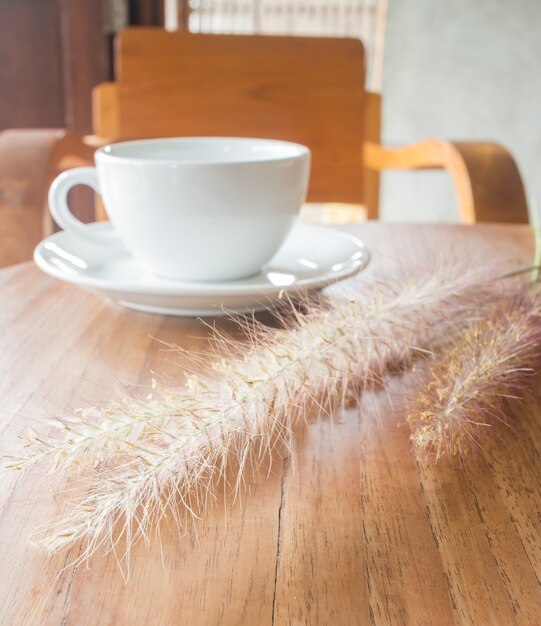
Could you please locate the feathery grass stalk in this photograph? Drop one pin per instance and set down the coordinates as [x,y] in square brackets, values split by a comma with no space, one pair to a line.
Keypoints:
[89,435]
[151,457]
[490,362]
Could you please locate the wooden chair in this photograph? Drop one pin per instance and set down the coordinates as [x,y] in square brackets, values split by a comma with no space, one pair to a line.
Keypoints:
[29,161]
[309,90]
[303,89]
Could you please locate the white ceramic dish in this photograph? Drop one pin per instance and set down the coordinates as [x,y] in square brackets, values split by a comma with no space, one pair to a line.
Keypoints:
[311,257]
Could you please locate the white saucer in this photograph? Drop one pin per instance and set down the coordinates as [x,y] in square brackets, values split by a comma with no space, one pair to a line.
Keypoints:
[311,257]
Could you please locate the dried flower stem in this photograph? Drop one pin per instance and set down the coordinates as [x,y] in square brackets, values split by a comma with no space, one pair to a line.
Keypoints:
[149,457]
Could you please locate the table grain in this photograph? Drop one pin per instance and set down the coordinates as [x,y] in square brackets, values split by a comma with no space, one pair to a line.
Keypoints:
[358,531]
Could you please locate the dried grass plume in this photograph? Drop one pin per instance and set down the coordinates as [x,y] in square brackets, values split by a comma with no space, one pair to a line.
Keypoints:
[467,388]
[172,453]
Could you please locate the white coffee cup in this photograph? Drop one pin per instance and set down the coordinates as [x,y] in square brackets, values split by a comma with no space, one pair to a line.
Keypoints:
[195,209]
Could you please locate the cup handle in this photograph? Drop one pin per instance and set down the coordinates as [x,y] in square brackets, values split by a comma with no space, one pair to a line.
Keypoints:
[58,205]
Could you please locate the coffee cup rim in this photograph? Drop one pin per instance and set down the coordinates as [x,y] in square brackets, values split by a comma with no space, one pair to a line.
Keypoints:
[297,151]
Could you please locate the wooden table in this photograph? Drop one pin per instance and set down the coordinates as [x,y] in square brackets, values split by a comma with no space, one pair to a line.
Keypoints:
[362,533]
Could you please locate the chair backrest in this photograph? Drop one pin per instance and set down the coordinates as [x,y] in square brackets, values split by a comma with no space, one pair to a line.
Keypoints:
[302,89]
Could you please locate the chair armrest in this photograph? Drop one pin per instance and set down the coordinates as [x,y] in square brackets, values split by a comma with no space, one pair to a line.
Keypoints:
[29,161]
[487,181]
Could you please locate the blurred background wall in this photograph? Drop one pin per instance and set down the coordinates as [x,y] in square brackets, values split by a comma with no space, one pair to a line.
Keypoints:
[52,52]
[460,69]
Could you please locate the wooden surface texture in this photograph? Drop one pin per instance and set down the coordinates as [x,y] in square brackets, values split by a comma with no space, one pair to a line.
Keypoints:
[361,532]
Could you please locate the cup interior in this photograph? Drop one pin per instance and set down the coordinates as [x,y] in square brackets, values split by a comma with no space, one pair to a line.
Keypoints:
[204,150]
